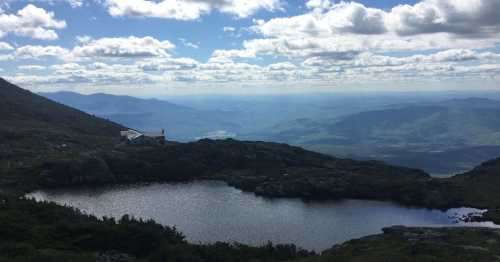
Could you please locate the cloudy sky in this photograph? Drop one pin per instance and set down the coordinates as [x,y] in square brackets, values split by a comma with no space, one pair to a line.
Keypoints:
[161,47]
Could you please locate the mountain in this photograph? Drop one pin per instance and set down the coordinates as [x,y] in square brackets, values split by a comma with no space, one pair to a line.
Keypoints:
[188,118]
[33,128]
[31,122]
[404,134]
[49,144]
[181,122]
[58,146]
[442,137]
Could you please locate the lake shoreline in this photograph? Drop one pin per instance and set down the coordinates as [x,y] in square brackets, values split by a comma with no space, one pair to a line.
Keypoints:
[221,190]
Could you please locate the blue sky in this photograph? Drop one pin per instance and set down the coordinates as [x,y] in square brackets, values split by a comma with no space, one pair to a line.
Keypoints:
[162,47]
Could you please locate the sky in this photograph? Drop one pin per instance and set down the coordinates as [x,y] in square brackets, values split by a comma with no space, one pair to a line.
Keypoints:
[167,47]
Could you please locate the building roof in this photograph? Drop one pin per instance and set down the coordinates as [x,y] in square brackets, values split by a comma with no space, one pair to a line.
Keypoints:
[130,134]
[133,134]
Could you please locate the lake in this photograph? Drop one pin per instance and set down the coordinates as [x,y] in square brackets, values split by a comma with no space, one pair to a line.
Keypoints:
[208,211]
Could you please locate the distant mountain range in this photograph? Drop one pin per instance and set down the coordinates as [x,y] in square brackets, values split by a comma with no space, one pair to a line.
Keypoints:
[439,136]
[182,123]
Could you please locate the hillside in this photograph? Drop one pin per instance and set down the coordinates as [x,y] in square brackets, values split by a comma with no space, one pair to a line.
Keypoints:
[441,137]
[412,135]
[419,244]
[48,144]
[79,149]
[181,122]
[33,127]
[24,112]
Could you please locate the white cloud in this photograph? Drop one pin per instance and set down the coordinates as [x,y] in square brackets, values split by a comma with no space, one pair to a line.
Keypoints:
[75,3]
[31,21]
[72,3]
[32,51]
[366,60]
[124,47]
[188,9]
[31,67]
[83,39]
[339,18]
[67,67]
[189,44]
[282,66]
[318,4]
[164,64]
[475,18]
[344,29]
[5,46]
[471,17]
[332,43]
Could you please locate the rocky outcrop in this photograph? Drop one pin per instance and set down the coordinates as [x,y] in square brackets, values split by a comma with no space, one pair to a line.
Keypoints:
[421,244]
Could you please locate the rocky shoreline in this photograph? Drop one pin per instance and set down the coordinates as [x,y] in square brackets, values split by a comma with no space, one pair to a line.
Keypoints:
[421,244]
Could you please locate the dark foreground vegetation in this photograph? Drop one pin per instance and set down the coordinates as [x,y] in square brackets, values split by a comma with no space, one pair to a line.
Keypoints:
[31,231]
[402,244]
[44,144]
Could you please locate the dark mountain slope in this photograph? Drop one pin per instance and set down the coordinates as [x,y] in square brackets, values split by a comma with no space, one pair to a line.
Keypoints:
[419,244]
[480,186]
[33,128]
[25,112]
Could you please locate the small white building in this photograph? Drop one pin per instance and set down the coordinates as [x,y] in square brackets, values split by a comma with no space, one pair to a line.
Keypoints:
[134,135]
[130,134]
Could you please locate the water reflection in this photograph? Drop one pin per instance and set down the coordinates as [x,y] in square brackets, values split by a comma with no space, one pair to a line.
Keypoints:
[210,211]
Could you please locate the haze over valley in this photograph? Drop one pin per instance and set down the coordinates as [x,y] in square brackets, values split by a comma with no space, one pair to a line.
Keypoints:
[441,132]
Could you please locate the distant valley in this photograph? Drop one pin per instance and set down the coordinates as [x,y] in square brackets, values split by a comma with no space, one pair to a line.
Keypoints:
[439,136]
[182,123]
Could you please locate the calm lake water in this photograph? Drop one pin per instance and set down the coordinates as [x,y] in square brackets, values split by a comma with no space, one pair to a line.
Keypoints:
[210,211]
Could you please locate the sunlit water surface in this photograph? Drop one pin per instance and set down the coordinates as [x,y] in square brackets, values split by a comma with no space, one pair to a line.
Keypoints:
[208,211]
